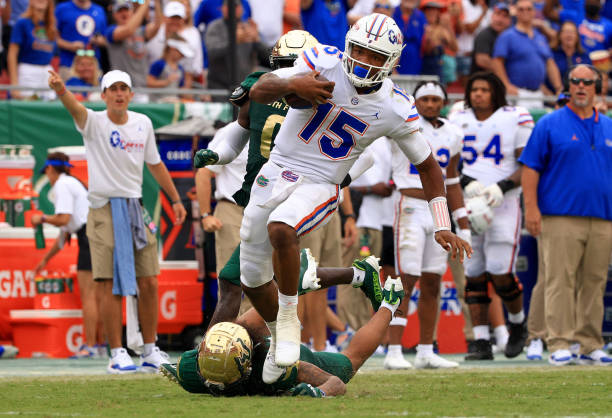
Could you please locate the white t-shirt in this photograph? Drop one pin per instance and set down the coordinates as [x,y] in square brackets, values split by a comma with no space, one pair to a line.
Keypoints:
[70,197]
[471,13]
[116,155]
[191,34]
[229,177]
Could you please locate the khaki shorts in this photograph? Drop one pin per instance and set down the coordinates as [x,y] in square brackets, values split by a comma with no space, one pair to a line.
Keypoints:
[102,243]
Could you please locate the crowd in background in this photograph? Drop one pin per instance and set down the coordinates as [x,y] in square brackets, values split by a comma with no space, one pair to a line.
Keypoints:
[530,45]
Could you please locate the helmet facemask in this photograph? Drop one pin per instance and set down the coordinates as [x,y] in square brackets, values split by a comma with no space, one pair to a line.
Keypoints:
[362,74]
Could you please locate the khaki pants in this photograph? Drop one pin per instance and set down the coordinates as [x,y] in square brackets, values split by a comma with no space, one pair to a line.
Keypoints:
[325,243]
[228,237]
[353,306]
[536,322]
[576,252]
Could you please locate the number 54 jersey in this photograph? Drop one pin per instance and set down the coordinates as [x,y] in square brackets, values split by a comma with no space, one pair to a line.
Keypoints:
[489,145]
[323,143]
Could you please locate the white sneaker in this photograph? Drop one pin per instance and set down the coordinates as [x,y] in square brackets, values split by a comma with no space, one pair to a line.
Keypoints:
[271,372]
[287,336]
[597,358]
[380,350]
[433,361]
[121,363]
[575,350]
[150,363]
[535,349]
[396,362]
[8,351]
[560,358]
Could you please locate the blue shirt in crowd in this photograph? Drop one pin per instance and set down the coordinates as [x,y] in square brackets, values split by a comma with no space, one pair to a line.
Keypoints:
[34,47]
[160,70]
[413,30]
[564,62]
[326,21]
[76,24]
[17,9]
[524,57]
[574,159]
[606,10]
[572,10]
[595,34]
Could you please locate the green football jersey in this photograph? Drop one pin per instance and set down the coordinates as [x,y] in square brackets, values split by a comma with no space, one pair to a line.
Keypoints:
[265,122]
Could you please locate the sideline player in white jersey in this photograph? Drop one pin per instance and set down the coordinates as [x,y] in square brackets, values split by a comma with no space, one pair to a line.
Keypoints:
[495,135]
[417,256]
[297,189]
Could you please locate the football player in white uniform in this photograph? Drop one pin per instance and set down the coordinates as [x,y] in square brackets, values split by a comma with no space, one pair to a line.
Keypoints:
[495,135]
[417,256]
[297,189]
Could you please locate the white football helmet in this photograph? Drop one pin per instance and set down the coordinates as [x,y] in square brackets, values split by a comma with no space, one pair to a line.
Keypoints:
[378,33]
[480,214]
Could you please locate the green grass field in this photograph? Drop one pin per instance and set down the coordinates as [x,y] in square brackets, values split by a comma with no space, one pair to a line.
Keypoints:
[487,391]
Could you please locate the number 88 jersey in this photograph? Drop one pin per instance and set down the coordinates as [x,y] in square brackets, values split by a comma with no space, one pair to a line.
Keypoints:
[489,145]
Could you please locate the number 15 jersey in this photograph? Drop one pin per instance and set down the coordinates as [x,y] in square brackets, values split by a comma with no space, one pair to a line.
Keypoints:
[323,143]
[489,145]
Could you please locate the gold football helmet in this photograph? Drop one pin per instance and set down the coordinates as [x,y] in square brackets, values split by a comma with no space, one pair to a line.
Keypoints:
[224,355]
[289,46]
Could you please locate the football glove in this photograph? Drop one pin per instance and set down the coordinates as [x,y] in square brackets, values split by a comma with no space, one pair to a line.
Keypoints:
[473,189]
[306,389]
[393,293]
[205,157]
[494,195]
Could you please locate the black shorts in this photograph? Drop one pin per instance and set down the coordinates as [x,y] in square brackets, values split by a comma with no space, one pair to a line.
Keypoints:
[84,257]
[387,258]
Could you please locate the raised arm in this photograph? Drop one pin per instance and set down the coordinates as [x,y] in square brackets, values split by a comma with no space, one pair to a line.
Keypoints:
[125,31]
[74,107]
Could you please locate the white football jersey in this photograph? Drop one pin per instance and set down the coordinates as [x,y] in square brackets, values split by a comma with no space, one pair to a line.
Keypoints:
[445,142]
[489,145]
[323,143]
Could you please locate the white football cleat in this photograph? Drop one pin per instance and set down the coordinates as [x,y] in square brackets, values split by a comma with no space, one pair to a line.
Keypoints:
[287,336]
[308,272]
[433,361]
[271,372]
[396,362]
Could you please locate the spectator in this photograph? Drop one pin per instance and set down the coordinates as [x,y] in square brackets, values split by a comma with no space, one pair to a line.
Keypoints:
[175,22]
[595,31]
[268,15]
[217,44]
[437,39]
[118,143]
[522,59]
[85,72]
[482,55]
[326,20]
[127,37]
[167,71]
[412,23]
[81,24]
[567,187]
[562,10]
[11,13]
[365,7]
[33,42]
[475,19]
[71,208]
[568,51]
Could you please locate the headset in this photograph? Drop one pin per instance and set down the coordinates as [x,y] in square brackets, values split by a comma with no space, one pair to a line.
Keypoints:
[598,82]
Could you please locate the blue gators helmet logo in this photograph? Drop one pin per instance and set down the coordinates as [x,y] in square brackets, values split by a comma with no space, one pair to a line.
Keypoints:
[395,38]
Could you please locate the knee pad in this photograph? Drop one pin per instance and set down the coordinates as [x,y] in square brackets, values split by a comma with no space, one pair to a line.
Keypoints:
[476,292]
[255,265]
[508,287]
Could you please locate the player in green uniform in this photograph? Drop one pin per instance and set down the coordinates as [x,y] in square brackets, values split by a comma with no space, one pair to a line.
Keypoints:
[230,359]
[259,123]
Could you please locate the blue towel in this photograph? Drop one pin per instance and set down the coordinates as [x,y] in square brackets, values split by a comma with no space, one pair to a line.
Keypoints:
[124,271]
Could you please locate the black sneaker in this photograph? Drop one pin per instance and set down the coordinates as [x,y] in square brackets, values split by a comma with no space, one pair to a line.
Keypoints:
[516,340]
[482,351]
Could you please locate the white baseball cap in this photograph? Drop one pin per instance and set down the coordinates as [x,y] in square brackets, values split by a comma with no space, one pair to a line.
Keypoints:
[115,76]
[182,47]
[174,8]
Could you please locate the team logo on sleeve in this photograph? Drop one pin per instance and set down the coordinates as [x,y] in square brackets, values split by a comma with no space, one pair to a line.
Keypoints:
[262,181]
[290,176]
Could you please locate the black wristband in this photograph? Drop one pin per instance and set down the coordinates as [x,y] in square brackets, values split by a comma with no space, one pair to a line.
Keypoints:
[506,184]
[465,180]
[351,215]
[346,181]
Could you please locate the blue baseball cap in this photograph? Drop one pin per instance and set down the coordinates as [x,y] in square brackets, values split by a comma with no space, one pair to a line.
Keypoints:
[501,6]
[55,163]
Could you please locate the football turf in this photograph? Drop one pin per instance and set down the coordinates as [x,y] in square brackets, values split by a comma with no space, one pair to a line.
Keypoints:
[481,389]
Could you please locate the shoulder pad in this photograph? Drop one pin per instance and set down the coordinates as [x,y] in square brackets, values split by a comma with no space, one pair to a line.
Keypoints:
[241,94]
[403,104]
[322,57]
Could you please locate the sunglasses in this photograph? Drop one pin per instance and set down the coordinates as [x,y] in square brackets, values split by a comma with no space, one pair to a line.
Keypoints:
[85,53]
[524,9]
[382,6]
[585,81]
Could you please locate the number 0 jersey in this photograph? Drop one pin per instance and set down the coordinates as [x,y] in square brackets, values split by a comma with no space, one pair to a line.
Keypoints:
[324,142]
[445,142]
[489,145]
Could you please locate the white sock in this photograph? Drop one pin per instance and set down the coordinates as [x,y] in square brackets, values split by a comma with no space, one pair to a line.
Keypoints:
[148,348]
[516,318]
[481,332]
[394,349]
[115,351]
[424,349]
[286,301]
[358,277]
[501,335]
[272,328]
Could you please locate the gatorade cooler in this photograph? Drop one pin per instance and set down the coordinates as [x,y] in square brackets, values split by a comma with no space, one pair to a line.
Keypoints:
[56,293]
[77,159]
[55,333]
[16,168]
